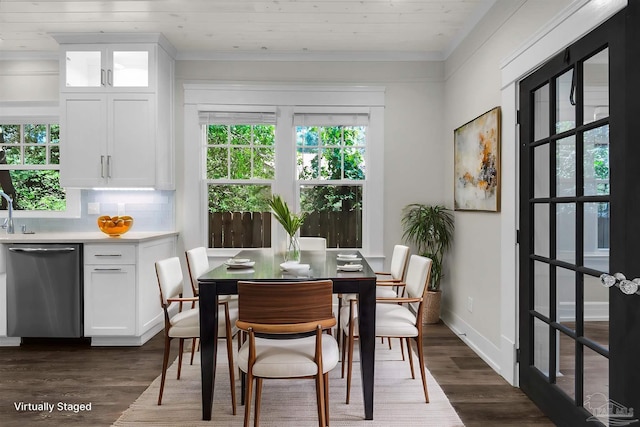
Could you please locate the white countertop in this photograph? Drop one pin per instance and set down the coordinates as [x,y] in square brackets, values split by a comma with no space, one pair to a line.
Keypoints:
[84,237]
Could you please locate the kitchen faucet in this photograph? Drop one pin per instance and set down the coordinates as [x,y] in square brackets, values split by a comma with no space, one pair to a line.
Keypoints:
[8,223]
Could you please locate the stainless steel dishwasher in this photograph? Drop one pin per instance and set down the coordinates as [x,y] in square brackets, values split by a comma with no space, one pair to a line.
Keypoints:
[44,290]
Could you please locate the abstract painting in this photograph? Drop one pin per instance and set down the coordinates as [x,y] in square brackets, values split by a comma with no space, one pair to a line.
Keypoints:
[477,163]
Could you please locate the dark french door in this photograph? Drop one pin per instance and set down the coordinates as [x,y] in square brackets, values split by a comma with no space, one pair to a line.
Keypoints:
[580,218]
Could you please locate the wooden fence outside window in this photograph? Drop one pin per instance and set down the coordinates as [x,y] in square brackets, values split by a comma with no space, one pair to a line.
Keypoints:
[253,229]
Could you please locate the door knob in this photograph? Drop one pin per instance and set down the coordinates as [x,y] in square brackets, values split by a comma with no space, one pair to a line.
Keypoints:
[628,287]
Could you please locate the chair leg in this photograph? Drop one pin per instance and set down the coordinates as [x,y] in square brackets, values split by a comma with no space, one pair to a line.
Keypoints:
[410,358]
[247,399]
[350,341]
[165,363]
[402,349]
[232,379]
[193,348]
[320,399]
[229,339]
[256,417]
[326,398]
[344,353]
[422,367]
[389,339]
[180,356]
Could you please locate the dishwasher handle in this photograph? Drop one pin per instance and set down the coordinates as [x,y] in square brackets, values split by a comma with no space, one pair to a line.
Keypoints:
[43,250]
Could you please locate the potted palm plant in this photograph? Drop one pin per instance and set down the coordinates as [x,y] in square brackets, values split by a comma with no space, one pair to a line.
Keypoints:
[291,223]
[430,229]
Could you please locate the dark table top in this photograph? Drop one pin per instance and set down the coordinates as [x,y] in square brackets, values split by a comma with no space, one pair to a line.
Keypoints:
[323,265]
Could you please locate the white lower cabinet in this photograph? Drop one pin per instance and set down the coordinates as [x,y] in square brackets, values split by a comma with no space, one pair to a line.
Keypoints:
[121,295]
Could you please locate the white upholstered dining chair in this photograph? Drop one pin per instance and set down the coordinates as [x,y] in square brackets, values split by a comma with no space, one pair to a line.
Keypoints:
[186,323]
[399,317]
[312,243]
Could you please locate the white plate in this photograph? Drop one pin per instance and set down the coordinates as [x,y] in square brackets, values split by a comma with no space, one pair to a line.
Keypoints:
[348,256]
[349,259]
[294,267]
[238,265]
[237,261]
[350,267]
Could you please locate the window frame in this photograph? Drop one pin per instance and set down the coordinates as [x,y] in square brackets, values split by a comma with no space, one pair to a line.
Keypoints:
[22,113]
[285,100]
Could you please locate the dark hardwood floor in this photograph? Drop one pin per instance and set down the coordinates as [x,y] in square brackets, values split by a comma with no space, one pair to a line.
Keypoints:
[112,378]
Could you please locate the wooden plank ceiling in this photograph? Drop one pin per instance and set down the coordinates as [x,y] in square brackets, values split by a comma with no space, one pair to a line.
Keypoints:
[250,26]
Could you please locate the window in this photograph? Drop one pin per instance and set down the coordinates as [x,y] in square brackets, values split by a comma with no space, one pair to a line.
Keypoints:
[30,166]
[331,177]
[240,168]
[324,155]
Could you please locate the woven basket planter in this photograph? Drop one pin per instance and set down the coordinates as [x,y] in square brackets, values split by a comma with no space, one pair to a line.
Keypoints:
[431,312]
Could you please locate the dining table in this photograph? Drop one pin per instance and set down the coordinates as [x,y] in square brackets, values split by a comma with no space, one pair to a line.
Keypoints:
[264,265]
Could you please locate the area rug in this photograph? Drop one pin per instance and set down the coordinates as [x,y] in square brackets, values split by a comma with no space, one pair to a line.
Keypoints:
[398,400]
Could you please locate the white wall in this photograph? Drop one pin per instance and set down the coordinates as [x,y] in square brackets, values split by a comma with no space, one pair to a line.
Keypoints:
[473,86]
[511,42]
[29,80]
[413,168]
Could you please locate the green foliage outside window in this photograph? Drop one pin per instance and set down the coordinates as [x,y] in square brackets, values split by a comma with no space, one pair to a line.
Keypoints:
[331,153]
[26,145]
[243,152]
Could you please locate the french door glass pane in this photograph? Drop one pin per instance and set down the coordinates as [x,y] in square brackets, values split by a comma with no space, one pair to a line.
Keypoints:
[565,102]
[566,297]
[566,166]
[566,232]
[566,375]
[596,386]
[541,288]
[541,113]
[541,171]
[596,311]
[541,346]
[596,87]
[596,161]
[596,235]
[541,230]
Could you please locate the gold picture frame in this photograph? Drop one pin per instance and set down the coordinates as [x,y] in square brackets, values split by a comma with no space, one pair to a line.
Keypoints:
[476,163]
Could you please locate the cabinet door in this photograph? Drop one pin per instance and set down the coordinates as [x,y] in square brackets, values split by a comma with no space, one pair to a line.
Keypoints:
[130,68]
[121,67]
[83,69]
[131,153]
[110,300]
[83,140]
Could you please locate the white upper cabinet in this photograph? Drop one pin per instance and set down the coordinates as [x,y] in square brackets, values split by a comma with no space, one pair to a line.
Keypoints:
[119,68]
[116,98]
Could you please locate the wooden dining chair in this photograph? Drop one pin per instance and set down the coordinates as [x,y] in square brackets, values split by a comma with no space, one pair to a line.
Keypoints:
[198,264]
[399,317]
[275,314]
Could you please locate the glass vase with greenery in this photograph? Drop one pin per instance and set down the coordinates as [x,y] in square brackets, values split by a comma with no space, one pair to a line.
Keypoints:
[430,229]
[291,222]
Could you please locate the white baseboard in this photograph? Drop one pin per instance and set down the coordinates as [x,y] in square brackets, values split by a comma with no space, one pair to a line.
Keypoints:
[472,338]
[10,341]
[593,311]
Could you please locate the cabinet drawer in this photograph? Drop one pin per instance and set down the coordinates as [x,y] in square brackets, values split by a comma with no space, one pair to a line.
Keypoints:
[109,254]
